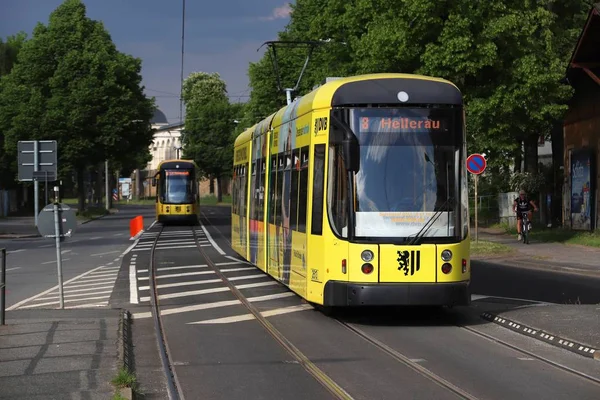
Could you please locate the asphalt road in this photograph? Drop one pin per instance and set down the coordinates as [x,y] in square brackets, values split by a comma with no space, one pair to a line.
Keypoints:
[219,350]
[95,250]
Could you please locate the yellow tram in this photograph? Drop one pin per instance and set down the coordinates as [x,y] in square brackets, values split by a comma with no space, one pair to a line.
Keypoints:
[356,193]
[177,192]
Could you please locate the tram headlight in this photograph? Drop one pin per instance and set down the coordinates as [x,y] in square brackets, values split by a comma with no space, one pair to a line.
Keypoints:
[446,255]
[367,256]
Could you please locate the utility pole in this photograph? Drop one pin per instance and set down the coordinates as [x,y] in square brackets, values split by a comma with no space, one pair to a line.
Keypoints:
[106,185]
[182,52]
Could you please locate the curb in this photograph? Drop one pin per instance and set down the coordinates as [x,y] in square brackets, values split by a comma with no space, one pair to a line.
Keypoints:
[555,340]
[17,236]
[124,350]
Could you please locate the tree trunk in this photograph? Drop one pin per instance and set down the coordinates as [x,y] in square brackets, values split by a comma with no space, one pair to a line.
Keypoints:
[99,185]
[518,158]
[80,190]
[219,191]
[531,153]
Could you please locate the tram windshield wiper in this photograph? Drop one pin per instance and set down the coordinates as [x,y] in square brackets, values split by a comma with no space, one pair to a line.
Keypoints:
[412,240]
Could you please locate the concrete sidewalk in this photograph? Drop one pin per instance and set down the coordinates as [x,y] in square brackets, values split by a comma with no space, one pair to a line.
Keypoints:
[552,255]
[62,354]
[573,327]
[24,227]
[18,227]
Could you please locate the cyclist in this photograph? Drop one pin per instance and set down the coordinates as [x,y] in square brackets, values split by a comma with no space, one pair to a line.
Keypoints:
[523,204]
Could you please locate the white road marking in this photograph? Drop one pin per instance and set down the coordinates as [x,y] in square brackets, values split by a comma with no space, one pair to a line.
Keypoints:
[118,234]
[249,317]
[172,268]
[15,251]
[239,260]
[96,238]
[54,262]
[57,302]
[49,245]
[12,269]
[133,293]
[205,306]
[142,278]
[65,251]
[68,294]
[208,291]
[103,254]
[19,304]
[210,239]
[168,248]
[202,282]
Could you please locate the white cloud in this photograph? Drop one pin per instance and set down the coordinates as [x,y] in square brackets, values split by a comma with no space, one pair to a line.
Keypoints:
[279,13]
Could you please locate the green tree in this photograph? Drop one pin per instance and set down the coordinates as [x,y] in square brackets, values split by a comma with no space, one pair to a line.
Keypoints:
[9,51]
[71,84]
[507,57]
[209,125]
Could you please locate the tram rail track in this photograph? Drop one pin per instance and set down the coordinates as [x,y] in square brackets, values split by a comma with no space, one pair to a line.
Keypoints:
[311,368]
[436,378]
[174,389]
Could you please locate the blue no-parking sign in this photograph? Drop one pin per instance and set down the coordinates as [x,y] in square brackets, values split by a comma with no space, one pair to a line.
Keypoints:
[476,164]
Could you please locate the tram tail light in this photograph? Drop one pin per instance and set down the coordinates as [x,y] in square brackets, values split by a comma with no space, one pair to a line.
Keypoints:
[367,268]
[464,265]
[446,268]
[343,266]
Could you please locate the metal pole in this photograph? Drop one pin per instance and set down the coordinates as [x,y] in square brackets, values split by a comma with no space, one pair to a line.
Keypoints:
[46,189]
[182,53]
[106,178]
[58,255]
[36,184]
[476,235]
[2,284]
[288,96]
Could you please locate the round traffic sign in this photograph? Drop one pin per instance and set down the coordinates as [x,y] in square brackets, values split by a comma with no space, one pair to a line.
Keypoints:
[476,164]
[67,220]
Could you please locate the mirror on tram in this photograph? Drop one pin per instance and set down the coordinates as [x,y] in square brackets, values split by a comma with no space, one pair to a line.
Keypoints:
[350,145]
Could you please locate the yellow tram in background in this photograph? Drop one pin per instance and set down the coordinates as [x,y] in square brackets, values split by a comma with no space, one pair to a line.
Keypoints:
[177,192]
[356,193]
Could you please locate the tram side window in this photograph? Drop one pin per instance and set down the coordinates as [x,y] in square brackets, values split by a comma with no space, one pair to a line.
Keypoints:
[337,191]
[278,191]
[234,192]
[253,184]
[317,199]
[244,186]
[294,191]
[303,192]
[272,189]
[261,189]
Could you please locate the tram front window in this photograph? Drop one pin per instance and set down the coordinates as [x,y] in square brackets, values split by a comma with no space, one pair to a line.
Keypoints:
[177,187]
[408,171]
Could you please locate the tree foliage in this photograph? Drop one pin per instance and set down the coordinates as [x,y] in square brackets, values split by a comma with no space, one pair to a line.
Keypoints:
[506,56]
[209,125]
[72,85]
[9,51]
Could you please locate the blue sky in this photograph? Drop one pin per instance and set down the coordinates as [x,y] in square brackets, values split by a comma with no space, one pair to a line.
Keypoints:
[220,36]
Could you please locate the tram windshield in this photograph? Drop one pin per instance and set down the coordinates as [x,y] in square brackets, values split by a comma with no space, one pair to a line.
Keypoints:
[177,186]
[409,159]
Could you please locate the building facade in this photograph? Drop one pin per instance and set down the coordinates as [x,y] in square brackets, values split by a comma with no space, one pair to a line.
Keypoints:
[166,145]
[581,131]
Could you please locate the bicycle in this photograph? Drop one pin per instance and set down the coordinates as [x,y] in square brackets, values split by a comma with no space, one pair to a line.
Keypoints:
[525,227]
